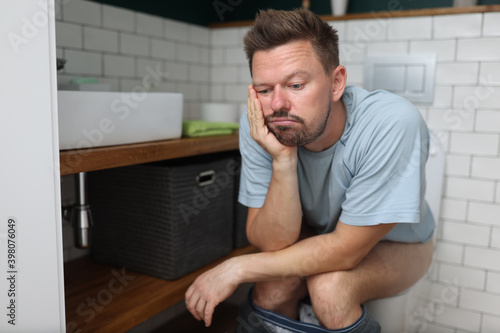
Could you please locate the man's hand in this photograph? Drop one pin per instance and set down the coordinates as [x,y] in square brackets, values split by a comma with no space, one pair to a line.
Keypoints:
[269,228]
[211,288]
[260,132]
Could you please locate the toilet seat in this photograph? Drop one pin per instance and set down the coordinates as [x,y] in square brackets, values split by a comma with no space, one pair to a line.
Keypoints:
[391,312]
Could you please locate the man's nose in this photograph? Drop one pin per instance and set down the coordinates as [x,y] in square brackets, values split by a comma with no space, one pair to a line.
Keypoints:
[279,100]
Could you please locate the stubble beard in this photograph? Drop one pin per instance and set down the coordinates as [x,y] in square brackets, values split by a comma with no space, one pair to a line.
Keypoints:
[290,136]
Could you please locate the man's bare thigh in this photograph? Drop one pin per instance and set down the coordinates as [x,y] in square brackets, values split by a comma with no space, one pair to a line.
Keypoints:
[387,270]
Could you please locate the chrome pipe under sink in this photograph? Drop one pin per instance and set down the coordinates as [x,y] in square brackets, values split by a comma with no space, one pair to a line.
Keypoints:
[81,218]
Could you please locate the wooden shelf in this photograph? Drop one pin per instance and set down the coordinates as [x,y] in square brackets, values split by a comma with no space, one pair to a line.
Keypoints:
[102,298]
[83,160]
[97,301]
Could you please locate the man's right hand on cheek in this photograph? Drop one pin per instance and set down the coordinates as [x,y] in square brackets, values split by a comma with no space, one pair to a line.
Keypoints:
[261,133]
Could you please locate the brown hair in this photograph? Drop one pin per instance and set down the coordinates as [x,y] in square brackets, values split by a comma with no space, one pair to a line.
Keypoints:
[274,28]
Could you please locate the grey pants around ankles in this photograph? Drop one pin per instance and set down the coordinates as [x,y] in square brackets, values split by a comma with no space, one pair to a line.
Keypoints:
[254,319]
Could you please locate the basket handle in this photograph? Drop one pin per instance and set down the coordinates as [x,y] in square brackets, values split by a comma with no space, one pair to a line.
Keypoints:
[205,178]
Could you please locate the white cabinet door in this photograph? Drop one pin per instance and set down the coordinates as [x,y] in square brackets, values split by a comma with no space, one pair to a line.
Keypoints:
[31,262]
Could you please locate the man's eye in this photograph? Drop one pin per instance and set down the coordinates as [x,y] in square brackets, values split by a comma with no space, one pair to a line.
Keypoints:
[263,91]
[296,86]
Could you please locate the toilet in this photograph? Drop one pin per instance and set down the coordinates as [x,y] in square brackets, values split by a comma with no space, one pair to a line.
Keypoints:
[395,313]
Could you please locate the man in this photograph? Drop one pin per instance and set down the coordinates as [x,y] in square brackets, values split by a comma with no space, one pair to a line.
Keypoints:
[334,180]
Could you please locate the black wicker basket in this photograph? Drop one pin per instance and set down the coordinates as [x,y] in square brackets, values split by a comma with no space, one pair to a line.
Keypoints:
[164,219]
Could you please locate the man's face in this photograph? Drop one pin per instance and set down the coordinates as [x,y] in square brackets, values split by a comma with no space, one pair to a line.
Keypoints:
[294,91]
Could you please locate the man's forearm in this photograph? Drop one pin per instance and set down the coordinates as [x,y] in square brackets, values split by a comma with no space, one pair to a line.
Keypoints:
[277,224]
[342,249]
[307,257]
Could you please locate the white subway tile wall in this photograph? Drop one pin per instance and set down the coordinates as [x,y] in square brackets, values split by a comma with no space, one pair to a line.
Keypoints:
[453,209]
[117,46]
[466,233]
[490,324]
[467,321]
[495,239]
[134,45]
[116,65]
[464,73]
[377,48]
[478,49]
[482,257]
[84,12]
[493,282]
[466,188]
[448,252]
[452,26]
[438,329]
[117,18]
[366,30]
[413,28]
[69,35]
[490,72]
[149,25]
[474,143]
[484,95]
[470,278]
[487,121]
[491,25]
[448,119]
[100,40]
[486,213]
[178,31]
[82,62]
[443,49]
[57,10]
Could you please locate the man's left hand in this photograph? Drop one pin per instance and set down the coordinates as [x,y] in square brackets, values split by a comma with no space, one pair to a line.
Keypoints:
[210,289]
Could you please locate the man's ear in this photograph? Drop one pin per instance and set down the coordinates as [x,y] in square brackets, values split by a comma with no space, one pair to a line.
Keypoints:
[339,79]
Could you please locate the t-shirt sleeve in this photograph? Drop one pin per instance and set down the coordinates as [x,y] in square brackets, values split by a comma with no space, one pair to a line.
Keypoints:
[388,169]
[256,168]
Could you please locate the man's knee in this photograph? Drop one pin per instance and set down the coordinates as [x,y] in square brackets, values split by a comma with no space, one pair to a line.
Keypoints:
[334,299]
[272,294]
[325,285]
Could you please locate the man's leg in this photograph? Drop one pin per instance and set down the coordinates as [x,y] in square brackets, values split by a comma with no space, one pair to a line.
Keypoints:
[387,270]
[280,296]
[283,296]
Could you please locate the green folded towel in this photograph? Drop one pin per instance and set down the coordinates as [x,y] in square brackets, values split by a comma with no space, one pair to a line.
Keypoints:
[197,128]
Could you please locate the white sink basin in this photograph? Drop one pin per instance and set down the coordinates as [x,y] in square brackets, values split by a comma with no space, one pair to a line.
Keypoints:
[94,119]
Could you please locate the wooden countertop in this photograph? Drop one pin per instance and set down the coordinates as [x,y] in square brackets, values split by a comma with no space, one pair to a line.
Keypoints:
[83,160]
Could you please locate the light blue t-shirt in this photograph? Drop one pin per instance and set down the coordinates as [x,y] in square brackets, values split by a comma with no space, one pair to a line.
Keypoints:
[374,174]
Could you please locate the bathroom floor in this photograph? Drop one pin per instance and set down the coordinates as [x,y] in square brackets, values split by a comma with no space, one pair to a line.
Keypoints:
[224,321]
